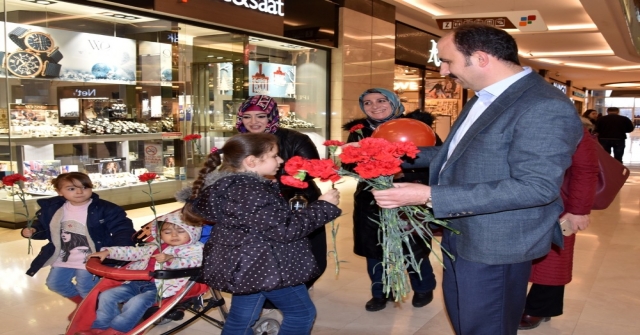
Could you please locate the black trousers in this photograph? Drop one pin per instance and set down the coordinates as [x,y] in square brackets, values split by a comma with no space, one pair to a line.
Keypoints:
[544,300]
[612,144]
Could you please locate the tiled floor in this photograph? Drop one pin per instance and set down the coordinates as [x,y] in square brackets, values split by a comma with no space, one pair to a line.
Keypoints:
[602,299]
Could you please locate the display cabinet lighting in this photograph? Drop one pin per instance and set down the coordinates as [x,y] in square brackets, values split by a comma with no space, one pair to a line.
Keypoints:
[291,46]
[41,2]
[120,16]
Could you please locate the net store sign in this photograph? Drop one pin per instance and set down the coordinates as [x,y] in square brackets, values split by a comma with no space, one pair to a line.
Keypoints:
[275,7]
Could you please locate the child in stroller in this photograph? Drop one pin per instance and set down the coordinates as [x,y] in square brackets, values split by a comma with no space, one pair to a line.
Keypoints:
[180,248]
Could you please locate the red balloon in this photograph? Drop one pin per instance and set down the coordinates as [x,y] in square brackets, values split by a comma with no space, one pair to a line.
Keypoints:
[406,130]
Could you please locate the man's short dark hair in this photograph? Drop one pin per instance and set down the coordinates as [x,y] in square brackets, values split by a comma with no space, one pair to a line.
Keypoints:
[613,109]
[470,38]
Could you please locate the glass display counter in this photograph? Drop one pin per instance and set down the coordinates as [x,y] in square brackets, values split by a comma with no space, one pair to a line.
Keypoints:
[113,163]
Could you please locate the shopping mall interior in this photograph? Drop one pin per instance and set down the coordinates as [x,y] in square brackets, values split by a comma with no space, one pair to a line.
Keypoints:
[601,299]
[135,86]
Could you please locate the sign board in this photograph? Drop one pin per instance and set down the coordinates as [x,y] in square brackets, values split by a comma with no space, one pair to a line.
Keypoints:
[275,7]
[560,86]
[529,20]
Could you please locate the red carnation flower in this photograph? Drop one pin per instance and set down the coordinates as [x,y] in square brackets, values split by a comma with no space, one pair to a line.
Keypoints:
[375,169]
[147,177]
[325,169]
[293,182]
[192,137]
[296,164]
[406,148]
[331,143]
[356,128]
[10,180]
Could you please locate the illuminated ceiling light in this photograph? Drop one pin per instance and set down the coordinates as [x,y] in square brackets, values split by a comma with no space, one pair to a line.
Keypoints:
[622,68]
[585,26]
[623,84]
[431,9]
[586,66]
[547,60]
[568,53]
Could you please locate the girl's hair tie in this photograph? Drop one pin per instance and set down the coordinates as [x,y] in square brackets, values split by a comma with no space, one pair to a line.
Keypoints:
[214,150]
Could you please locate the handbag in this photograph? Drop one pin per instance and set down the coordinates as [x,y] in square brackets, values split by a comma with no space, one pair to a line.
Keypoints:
[611,178]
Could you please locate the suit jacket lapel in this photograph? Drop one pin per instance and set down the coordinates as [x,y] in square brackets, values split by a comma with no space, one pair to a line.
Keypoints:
[497,107]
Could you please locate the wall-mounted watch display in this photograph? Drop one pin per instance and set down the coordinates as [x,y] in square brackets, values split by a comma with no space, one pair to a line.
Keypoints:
[37,42]
[26,64]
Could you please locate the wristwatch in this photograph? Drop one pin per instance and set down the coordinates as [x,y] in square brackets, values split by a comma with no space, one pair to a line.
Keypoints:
[37,42]
[25,64]
[429,203]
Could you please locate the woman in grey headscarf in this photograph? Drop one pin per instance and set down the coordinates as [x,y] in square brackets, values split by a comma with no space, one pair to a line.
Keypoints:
[379,106]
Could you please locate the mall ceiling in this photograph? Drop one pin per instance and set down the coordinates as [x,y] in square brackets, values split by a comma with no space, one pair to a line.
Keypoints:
[587,41]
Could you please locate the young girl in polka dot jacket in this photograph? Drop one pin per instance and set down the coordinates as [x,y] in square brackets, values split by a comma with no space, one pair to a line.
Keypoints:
[258,248]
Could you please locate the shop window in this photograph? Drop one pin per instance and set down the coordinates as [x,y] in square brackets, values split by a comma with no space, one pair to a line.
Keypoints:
[113,94]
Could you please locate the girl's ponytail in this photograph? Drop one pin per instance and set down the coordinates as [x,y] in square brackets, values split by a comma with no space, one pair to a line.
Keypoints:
[213,161]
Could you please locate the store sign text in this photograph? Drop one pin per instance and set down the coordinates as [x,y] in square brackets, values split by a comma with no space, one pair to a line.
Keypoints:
[85,93]
[433,54]
[405,85]
[561,87]
[275,7]
[578,94]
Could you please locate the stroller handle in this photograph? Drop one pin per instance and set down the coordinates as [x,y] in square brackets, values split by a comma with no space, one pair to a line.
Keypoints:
[95,266]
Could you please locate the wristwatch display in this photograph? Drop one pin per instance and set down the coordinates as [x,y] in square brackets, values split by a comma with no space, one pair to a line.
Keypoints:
[25,64]
[35,41]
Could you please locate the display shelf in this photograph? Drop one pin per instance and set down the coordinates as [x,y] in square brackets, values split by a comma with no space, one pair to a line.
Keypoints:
[126,196]
[78,139]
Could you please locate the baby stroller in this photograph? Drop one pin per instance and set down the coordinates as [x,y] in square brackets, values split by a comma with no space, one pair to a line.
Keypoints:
[190,298]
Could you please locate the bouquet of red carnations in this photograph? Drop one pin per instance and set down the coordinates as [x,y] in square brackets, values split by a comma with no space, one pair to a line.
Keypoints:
[376,162]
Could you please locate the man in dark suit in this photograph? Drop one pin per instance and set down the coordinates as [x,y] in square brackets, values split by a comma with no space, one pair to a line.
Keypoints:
[496,178]
[612,132]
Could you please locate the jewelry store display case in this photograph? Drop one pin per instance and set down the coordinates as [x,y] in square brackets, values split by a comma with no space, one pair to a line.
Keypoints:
[113,163]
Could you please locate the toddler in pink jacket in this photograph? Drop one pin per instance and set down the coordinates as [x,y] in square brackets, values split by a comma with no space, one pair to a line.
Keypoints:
[180,248]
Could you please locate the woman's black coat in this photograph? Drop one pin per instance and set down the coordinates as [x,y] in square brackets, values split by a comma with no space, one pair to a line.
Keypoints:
[365,211]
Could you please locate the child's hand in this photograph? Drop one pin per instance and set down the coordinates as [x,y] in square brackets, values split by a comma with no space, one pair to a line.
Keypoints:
[332,196]
[28,232]
[100,254]
[161,258]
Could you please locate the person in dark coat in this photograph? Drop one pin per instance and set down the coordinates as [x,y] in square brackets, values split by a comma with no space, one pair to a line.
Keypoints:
[379,106]
[259,114]
[258,249]
[77,214]
[552,272]
[612,132]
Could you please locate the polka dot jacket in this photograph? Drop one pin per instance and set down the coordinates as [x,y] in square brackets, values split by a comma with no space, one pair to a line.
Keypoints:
[258,243]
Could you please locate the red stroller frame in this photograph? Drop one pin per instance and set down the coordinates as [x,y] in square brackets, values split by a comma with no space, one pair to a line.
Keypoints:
[112,277]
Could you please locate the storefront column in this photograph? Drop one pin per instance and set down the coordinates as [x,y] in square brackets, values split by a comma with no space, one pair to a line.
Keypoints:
[364,59]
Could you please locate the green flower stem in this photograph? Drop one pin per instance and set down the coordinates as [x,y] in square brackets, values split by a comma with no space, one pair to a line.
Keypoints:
[334,233]
[153,204]
[23,199]
[400,227]
[156,239]
[334,226]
